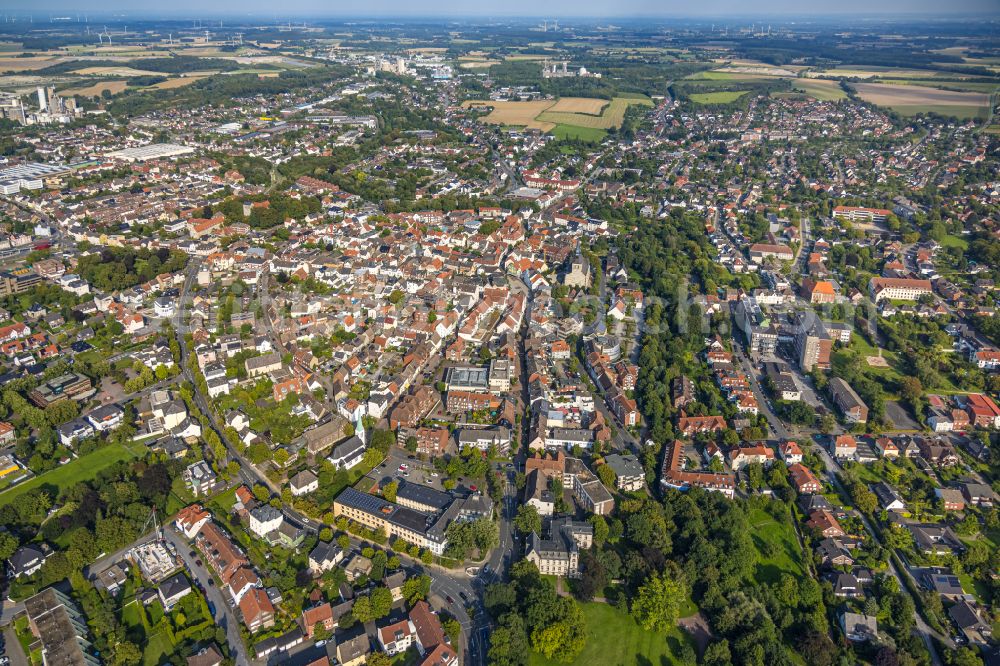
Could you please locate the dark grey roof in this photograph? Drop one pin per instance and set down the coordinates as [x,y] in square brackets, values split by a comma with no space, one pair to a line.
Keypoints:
[423,495]
[174,585]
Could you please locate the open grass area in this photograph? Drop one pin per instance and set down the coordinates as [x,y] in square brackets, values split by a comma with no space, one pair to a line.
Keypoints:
[222,503]
[859,343]
[783,555]
[582,133]
[132,615]
[954,241]
[614,638]
[722,97]
[81,469]
[157,648]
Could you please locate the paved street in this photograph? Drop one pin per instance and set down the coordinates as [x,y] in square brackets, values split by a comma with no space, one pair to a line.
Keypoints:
[225,616]
[12,648]
[925,632]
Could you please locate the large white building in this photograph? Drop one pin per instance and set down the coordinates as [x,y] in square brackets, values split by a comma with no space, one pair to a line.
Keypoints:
[899,289]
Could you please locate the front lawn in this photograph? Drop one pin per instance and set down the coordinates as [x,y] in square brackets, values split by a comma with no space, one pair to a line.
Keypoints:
[614,638]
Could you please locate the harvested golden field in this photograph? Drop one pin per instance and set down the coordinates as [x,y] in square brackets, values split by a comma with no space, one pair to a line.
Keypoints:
[612,116]
[886,94]
[587,105]
[515,113]
[25,64]
[95,90]
[546,114]
[179,82]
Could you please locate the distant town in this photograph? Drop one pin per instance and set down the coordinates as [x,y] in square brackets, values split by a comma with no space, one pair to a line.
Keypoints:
[512,343]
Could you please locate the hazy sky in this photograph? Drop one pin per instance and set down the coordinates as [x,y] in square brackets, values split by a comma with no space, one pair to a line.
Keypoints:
[564,9]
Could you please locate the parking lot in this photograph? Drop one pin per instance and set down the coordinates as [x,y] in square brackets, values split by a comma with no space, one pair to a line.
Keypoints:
[414,471]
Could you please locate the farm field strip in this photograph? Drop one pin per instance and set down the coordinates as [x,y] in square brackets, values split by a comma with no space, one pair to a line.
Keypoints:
[916,99]
[613,115]
[821,89]
[723,97]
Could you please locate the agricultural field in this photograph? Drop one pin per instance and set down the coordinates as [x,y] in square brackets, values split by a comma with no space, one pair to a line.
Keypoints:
[966,86]
[612,116]
[586,105]
[476,61]
[910,100]
[823,90]
[515,113]
[873,72]
[613,637]
[25,64]
[115,71]
[756,70]
[719,75]
[179,82]
[571,115]
[96,89]
[722,97]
